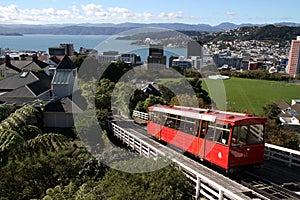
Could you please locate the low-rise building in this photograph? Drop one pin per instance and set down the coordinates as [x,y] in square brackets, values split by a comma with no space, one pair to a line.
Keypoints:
[131,58]
[182,63]
[109,56]
[290,114]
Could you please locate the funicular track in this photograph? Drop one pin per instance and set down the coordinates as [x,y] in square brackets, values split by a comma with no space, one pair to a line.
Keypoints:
[266,187]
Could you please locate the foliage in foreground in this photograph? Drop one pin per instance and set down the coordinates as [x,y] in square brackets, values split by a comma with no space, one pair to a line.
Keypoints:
[165,183]
[29,174]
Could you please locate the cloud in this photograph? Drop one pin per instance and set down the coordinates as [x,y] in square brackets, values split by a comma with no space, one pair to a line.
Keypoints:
[85,13]
[231,15]
[118,10]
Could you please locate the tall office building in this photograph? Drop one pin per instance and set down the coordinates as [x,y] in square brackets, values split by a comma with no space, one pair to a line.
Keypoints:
[61,50]
[294,62]
[156,54]
[194,48]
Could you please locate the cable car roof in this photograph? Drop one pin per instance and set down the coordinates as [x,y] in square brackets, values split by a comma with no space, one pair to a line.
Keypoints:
[205,114]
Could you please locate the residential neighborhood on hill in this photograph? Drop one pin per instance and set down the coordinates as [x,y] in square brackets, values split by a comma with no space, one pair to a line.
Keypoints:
[27,81]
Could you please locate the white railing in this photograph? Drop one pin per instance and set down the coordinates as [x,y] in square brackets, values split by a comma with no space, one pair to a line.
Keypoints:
[141,115]
[203,185]
[285,155]
[272,152]
[135,143]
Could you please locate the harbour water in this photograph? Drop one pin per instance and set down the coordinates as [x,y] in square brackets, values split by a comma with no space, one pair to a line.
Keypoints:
[100,42]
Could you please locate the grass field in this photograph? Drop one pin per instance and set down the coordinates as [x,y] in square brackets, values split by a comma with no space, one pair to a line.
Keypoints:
[248,94]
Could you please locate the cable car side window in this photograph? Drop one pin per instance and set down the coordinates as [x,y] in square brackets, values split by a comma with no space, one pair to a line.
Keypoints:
[218,133]
[203,129]
[222,134]
[172,121]
[210,131]
[189,125]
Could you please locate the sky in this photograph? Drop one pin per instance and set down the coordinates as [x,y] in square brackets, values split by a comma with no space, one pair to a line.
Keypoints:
[212,12]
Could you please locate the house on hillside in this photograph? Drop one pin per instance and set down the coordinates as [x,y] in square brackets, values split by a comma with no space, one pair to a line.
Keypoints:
[64,81]
[34,82]
[25,87]
[60,113]
[13,67]
[290,114]
[149,88]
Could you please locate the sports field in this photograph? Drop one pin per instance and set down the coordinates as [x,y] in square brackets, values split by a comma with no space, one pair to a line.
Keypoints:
[248,94]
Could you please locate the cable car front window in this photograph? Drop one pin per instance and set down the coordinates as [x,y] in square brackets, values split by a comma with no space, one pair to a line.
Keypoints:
[239,135]
[151,116]
[256,134]
[247,135]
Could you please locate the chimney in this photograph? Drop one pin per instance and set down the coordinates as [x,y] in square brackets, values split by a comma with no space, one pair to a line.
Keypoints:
[7,60]
[34,57]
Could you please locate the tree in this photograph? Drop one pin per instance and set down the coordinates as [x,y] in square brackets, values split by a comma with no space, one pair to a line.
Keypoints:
[22,116]
[120,98]
[186,100]
[30,174]
[4,111]
[79,60]
[191,73]
[282,136]
[166,93]
[271,111]
[179,69]
[48,142]
[103,94]
[125,98]
[196,83]
[88,91]
[165,183]
[150,101]
[10,142]
[115,71]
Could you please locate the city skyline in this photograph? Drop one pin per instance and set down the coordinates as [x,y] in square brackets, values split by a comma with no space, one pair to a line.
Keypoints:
[211,12]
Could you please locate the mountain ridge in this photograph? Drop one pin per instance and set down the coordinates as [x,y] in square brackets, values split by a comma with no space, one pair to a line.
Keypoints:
[111,28]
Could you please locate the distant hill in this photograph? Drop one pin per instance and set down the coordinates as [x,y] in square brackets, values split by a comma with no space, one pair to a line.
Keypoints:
[277,32]
[110,28]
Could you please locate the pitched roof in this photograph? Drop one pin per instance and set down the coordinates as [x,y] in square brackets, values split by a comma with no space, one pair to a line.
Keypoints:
[66,63]
[19,65]
[296,107]
[65,105]
[41,64]
[54,59]
[21,92]
[283,105]
[62,77]
[10,68]
[151,89]
[32,89]
[16,81]
[32,67]
[40,86]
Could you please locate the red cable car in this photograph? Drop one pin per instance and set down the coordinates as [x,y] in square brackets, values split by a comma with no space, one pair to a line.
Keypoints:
[226,139]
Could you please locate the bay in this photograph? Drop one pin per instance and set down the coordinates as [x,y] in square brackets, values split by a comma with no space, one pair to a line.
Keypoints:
[99,42]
